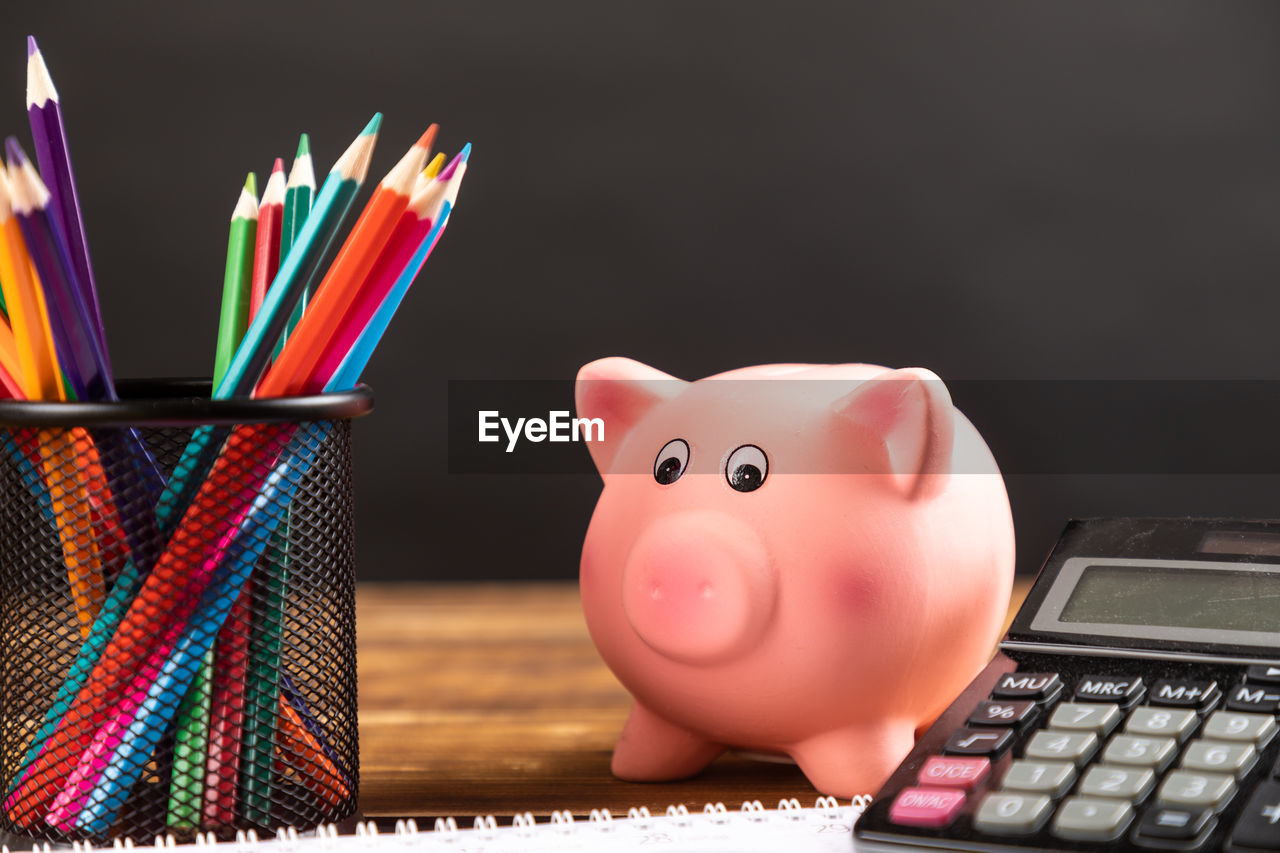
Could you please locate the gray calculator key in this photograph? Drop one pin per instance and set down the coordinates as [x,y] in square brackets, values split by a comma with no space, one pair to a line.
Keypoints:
[1051,745]
[1239,727]
[1114,782]
[1214,756]
[1089,819]
[1154,752]
[1082,717]
[1162,722]
[1053,778]
[1012,814]
[1187,788]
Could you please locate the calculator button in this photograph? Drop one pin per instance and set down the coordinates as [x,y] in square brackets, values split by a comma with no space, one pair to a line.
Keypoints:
[1087,819]
[1218,757]
[1237,727]
[962,773]
[1052,778]
[1253,697]
[1263,674]
[1062,746]
[1021,714]
[1174,823]
[1036,686]
[1184,693]
[1122,783]
[1203,790]
[1121,689]
[1166,722]
[1259,823]
[1154,752]
[967,741]
[1011,814]
[933,807]
[1085,717]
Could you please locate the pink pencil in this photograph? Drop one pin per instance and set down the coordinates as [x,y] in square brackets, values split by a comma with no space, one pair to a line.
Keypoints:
[414,226]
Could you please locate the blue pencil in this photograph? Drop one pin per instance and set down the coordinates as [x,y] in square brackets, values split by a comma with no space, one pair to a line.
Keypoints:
[354,363]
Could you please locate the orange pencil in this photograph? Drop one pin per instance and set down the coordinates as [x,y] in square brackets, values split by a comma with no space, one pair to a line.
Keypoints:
[22,294]
[346,276]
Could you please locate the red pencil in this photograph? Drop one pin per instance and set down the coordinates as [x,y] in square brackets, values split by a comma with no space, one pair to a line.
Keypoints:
[266,252]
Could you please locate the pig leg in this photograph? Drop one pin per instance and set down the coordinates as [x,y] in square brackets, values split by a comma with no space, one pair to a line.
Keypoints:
[857,760]
[651,749]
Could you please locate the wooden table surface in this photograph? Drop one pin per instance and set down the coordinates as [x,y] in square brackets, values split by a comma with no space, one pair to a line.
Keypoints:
[490,699]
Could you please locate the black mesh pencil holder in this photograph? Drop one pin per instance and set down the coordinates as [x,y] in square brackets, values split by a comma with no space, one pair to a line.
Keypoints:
[177,623]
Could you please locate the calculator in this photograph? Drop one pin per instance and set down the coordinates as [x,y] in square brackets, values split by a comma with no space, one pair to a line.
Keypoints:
[1132,705]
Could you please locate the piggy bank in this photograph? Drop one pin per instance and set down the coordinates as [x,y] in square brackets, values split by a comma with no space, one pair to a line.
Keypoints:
[805,560]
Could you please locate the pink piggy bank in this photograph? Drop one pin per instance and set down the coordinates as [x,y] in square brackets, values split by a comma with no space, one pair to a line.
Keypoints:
[807,560]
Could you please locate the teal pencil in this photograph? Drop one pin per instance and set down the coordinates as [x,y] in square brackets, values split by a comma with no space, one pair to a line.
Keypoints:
[297,270]
[297,206]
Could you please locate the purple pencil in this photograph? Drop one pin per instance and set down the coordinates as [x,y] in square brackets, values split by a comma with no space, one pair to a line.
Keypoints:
[78,351]
[45,114]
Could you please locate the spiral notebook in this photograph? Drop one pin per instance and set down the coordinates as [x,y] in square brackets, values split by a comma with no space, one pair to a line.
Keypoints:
[827,827]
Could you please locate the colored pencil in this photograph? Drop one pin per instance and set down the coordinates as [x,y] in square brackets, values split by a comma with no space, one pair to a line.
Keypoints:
[242,551]
[222,768]
[269,582]
[77,345]
[266,253]
[237,278]
[434,167]
[197,546]
[191,735]
[30,323]
[129,466]
[357,358]
[297,206]
[342,283]
[44,111]
[296,272]
[301,265]
[397,257]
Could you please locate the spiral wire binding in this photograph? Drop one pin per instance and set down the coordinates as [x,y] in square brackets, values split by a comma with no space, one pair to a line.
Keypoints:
[523,825]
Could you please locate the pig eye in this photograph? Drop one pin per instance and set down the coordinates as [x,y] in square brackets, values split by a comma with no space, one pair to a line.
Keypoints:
[746,469]
[672,459]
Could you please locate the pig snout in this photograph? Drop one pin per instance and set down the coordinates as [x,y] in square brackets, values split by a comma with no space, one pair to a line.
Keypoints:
[698,587]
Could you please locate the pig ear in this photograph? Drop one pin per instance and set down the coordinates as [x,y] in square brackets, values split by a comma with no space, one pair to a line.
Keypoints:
[620,391]
[910,411]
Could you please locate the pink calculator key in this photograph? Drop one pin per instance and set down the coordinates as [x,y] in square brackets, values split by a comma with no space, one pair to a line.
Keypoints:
[948,772]
[926,806]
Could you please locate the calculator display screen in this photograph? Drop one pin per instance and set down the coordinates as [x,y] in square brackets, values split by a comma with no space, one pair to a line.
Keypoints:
[1195,604]
[1183,598]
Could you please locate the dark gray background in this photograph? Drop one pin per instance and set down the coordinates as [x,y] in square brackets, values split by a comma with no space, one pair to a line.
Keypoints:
[993,190]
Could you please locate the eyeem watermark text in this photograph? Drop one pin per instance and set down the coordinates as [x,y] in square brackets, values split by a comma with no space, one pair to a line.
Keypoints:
[558,427]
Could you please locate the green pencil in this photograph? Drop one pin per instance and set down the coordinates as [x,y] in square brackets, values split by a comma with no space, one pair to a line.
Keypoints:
[270,580]
[191,739]
[238,278]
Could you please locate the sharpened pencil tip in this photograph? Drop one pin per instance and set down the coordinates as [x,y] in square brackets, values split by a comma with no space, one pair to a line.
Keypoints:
[278,166]
[458,160]
[372,127]
[304,146]
[32,47]
[426,140]
[434,167]
[251,184]
[13,151]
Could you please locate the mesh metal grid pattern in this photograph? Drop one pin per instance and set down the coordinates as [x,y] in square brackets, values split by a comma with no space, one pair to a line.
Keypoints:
[180,673]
